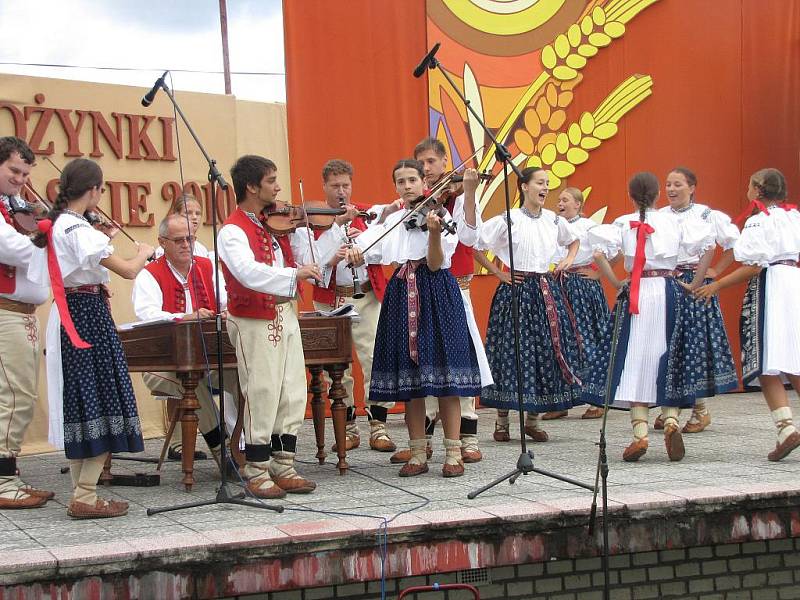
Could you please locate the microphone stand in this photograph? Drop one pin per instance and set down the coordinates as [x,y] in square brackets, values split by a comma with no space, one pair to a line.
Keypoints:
[525,461]
[224,494]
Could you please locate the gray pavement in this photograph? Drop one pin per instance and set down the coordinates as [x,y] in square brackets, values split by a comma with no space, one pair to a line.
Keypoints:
[729,455]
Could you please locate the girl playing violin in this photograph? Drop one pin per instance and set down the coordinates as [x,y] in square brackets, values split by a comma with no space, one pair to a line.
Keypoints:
[92,406]
[768,251]
[423,346]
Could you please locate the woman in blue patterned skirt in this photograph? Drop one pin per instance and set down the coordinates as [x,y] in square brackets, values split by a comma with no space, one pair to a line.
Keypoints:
[718,373]
[548,339]
[91,398]
[422,346]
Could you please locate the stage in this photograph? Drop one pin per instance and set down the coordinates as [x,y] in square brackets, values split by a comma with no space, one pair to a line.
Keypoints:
[724,494]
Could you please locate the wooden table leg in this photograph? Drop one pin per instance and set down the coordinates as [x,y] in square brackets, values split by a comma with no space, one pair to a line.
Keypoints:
[318,410]
[188,405]
[337,394]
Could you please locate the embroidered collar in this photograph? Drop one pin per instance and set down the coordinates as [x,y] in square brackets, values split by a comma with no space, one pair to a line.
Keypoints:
[529,214]
[682,210]
[574,219]
[74,214]
[253,218]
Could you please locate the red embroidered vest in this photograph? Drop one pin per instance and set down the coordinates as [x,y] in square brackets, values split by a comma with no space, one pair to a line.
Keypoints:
[200,285]
[8,274]
[461,263]
[377,277]
[243,301]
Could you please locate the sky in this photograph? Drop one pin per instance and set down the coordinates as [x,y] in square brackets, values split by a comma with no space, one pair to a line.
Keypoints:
[150,36]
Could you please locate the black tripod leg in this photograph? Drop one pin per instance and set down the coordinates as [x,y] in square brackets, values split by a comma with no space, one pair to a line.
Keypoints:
[512,476]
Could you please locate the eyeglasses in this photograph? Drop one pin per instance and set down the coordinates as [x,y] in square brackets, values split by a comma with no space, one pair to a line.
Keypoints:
[189,239]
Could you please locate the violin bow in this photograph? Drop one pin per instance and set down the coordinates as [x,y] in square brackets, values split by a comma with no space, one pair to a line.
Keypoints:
[308,224]
[433,192]
[100,210]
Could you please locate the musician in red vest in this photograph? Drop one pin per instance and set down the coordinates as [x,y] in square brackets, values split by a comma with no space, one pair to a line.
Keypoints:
[262,273]
[19,328]
[337,288]
[432,153]
[178,285]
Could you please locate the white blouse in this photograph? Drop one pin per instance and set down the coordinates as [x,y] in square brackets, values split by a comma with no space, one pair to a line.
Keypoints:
[17,250]
[580,227]
[80,248]
[663,245]
[402,245]
[536,239]
[328,243]
[725,232]
[769,238]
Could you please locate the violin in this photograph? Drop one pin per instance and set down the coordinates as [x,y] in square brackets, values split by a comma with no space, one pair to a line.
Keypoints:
[25,214]
[423,205]
[282,218]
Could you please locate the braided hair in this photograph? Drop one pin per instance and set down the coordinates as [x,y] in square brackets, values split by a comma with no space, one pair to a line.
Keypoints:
[408,163]
[78,177]
[643,190]
[770,184]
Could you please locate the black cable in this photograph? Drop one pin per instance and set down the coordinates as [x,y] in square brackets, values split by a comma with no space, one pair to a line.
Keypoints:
[201,71]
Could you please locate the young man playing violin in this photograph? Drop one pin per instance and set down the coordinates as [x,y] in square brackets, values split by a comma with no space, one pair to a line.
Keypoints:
[337,288]
[19,329]
[180,286]
[433,156]
[262,273]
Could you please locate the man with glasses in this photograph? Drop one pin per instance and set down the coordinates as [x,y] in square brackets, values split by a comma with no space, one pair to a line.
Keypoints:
[180,286]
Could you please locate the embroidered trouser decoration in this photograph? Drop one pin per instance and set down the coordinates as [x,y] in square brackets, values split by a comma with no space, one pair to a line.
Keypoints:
[555,331]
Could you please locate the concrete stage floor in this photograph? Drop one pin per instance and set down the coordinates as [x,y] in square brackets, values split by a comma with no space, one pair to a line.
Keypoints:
[726,463]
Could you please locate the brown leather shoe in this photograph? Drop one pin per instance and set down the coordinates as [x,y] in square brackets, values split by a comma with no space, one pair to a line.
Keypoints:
[783,449]
[551,416]
[456,470]
[674,443]
[593,412]
[501,433]
[351,441]
[697,423]
[471,456]
[379,439]
[409,470]
[22,500]
[101,509]
[295,485]
[635,450]
[46,494]
[273,492]
[536,434]
[404,455]
[659,423]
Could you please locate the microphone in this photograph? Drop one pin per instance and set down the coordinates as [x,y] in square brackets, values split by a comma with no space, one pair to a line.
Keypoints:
[148,98]
[427,61]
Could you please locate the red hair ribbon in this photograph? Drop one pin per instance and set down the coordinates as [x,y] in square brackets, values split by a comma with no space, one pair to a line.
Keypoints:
[747,212]
[643,230]
[787,206]
[57,283]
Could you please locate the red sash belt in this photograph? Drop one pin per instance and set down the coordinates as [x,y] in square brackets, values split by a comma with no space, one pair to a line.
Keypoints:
[658,273]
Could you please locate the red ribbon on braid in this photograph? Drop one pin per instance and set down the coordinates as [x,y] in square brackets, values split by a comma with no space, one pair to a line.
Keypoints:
[748,212]
[643,231]
[788,206]
[57,283]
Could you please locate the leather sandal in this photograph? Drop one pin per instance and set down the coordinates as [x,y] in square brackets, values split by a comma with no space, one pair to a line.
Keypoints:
[274,492]
[783,449]
[351,442]
[101,509]
[379,438]
[404,455]
[697,422]
[295,485]
[658,425]
[536,434]
[593,412]
[501,432]
[470,453]
[22,499]
[46,494]
[456,470]
[412,470]
[551,416]
[638,447]
[674,443]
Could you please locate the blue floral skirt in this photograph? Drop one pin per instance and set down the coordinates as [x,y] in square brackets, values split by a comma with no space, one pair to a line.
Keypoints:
[716,372]
[590,308]
[100,412]
[446,364]
[546,384]
[677,375]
